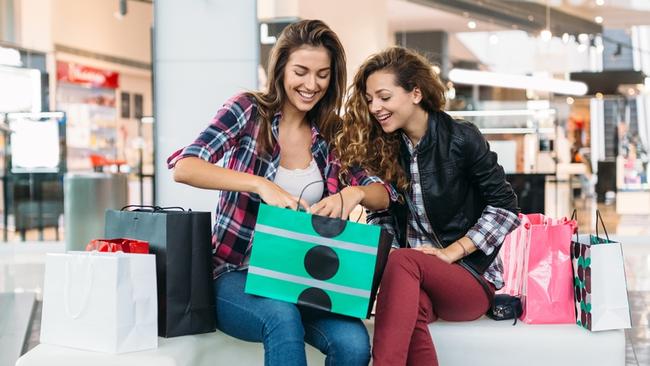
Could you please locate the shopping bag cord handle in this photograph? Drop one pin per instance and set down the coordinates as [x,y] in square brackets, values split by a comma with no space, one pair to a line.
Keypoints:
[325,183]
[574,216]
[599,218]
[153,208]
[88,284]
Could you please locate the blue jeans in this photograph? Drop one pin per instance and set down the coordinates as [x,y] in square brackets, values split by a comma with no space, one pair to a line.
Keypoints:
[283,327]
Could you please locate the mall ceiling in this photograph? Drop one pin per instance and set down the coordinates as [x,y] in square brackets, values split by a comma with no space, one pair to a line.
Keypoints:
[564,16]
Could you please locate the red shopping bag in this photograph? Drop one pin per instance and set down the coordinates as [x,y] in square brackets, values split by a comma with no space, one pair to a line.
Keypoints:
[118,245]
[537,267]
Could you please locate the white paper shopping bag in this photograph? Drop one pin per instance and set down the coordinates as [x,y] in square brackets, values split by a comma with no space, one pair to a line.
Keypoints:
[599,283]
[100,301]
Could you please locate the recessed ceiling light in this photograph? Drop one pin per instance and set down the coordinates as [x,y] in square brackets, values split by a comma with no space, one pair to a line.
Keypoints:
[471,24]
[598,19]
[546,35]
[600,2]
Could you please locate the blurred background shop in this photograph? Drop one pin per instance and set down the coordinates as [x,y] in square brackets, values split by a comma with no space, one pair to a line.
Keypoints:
[559,88]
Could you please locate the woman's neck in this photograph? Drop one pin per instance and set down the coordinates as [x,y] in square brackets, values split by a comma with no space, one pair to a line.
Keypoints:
[417,126]
[292,117]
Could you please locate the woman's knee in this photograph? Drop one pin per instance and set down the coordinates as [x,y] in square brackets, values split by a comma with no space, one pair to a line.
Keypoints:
[352,346]
[282,319]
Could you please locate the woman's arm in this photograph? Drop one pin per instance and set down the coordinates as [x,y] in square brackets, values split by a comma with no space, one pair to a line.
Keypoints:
[499,217]
[199,173]
[373,196]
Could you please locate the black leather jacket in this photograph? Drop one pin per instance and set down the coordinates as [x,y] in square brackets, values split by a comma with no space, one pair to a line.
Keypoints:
[459,176]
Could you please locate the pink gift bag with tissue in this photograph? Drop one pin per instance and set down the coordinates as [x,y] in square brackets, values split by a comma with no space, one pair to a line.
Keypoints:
[537,267]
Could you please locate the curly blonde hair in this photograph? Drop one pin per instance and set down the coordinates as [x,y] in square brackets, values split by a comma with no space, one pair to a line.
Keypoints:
[361,141]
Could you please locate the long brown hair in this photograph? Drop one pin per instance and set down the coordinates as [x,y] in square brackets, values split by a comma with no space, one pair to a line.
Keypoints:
[325,113]
[361,141]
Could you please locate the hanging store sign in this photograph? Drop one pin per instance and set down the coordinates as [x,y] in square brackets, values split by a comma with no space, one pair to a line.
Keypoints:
[69,72]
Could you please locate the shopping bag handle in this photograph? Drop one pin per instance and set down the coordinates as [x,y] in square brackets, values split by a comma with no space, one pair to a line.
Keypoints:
[87,287]
[324,182]
[151,208]
[574,216]
[599,218]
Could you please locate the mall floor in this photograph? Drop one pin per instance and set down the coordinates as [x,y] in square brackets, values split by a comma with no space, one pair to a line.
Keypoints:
[22,268]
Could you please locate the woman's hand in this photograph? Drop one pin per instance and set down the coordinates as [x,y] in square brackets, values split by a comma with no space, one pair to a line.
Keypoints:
[331,205]
[440,253]
[274,195]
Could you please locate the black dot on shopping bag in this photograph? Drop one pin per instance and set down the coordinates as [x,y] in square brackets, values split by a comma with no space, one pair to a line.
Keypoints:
[321,262]
[315,298]
[326,226]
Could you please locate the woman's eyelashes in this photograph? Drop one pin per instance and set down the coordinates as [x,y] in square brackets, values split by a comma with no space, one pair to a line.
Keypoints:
[320,76]
[383,99]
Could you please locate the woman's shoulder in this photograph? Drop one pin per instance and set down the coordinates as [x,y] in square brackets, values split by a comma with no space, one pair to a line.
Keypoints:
[462,129]
[243,100]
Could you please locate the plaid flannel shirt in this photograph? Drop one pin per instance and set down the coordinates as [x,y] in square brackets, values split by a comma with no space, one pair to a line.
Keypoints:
[232,139]
[487,234]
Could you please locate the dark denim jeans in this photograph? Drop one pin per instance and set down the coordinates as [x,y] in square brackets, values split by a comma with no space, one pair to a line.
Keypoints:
[283,327]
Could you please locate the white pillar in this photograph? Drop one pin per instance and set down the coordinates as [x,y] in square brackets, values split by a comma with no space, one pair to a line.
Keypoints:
[204,52]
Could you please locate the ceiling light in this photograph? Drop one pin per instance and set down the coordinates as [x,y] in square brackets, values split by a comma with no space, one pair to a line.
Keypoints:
[500,112]
[546,35]
[475,77]
[599,95]
[471,24]
[569,100]
[566,38]
[598,19]
[600,2]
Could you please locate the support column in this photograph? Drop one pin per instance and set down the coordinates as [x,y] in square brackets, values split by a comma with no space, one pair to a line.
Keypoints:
[204,52]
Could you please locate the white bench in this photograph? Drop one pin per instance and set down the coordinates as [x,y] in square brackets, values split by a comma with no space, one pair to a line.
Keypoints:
[482,342]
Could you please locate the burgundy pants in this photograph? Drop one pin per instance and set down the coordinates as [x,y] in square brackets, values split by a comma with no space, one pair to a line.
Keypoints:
[417,289]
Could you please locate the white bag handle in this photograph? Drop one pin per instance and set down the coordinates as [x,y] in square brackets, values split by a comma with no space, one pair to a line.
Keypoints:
[87,287]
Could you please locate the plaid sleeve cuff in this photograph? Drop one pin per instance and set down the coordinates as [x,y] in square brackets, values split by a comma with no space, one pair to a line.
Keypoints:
[193,150]
[492,227]
[386,221]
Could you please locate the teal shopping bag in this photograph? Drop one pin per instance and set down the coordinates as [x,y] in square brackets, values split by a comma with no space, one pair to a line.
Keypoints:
[320,262]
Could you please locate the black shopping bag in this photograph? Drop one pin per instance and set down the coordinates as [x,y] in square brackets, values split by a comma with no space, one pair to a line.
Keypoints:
[181,242]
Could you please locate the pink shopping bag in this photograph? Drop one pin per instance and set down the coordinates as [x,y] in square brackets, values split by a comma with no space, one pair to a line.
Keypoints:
[537,267]
[512,253]
[547,293]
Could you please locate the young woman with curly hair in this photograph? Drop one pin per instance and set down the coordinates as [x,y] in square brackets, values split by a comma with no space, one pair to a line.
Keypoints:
[455,210]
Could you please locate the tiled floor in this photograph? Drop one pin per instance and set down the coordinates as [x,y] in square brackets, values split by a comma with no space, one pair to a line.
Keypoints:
[22,268]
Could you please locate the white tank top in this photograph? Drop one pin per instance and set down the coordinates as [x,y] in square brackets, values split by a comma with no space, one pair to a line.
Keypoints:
[295,180]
